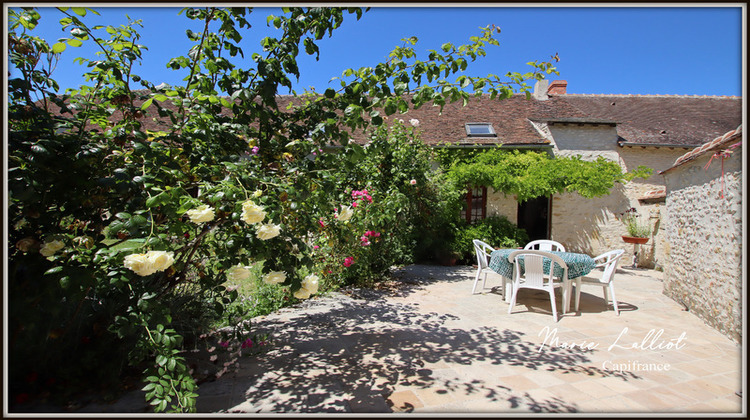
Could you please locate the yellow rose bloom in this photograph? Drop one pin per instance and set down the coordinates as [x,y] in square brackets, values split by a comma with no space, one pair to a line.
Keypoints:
[268,231]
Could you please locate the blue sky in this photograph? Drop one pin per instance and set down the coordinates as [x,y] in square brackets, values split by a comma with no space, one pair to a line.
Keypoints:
[688,50]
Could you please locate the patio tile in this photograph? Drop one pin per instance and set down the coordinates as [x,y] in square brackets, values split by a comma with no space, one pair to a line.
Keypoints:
[659,399]
[727,405]
[434,397]
[439,349]
[698,390]
[701,407]
[404,401]
[518,383]
[616,404]
[594,389]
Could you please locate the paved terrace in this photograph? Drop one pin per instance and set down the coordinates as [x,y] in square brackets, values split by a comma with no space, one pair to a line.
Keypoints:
[426,345]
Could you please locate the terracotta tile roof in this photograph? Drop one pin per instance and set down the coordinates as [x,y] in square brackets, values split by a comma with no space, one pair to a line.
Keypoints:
[724,141]
[640,119]
[511,119]
[678,120]
[654,194]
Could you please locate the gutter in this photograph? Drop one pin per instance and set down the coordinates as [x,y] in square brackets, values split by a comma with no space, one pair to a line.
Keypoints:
[495,146]
[632,144]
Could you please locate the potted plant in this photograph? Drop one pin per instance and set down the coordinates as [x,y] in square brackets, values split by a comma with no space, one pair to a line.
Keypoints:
[638,233]
[448,257]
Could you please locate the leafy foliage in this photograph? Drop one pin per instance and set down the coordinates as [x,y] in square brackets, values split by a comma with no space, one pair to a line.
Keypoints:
[122,238]
[633,225]
[495,230]
[533,174]
[391,193]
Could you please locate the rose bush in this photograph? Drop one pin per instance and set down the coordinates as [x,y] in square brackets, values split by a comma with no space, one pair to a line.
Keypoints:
[388,210]
[121,237]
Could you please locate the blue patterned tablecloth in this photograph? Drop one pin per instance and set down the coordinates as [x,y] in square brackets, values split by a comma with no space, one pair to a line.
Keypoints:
[578,264]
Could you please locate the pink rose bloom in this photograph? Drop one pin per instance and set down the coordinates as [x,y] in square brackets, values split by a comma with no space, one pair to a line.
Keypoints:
[413,182]
[321,223]
[348,261]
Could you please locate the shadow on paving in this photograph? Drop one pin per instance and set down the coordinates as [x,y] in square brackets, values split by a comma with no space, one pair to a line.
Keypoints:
[338,354]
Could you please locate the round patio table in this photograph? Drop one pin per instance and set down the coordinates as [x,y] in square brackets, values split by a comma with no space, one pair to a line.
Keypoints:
[578,266]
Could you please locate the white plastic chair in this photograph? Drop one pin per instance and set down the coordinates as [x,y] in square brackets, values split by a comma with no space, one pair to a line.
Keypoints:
[545,245]
[534,277]
[483,251]
[609,261]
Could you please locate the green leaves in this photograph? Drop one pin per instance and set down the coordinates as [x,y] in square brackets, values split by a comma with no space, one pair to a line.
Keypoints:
[130,189]
[58,47]
[533,174]
[169,383]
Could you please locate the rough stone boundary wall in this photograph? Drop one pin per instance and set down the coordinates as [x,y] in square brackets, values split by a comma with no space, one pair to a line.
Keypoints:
[704,237]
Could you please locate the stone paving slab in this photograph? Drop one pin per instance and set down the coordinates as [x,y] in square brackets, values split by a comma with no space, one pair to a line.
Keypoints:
[433,347]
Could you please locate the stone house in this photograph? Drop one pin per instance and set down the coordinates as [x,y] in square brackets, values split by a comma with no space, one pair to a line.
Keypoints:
[704,232]
[649,130]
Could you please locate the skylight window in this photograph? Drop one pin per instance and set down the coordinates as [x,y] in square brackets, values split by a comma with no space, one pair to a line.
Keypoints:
[480,130]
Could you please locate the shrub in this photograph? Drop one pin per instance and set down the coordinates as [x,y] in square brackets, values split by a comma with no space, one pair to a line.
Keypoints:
[497,231]
[121,238]
[395,206]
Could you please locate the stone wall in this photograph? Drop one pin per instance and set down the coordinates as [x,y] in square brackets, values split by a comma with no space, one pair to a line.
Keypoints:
[704,236]
[593,226]
[502,204]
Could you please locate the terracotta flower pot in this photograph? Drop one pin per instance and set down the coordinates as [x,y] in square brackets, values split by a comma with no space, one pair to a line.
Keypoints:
[634,240]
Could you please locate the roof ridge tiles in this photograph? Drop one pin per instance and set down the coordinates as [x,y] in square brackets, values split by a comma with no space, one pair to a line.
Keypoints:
[716,143]
[638,95]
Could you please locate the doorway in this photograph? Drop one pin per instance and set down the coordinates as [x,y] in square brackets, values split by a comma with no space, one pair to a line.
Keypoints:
[533,216]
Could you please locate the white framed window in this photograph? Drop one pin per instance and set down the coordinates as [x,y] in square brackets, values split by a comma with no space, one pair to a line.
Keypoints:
[480,129]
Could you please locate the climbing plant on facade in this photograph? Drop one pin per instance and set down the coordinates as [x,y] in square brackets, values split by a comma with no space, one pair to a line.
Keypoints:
[531,174]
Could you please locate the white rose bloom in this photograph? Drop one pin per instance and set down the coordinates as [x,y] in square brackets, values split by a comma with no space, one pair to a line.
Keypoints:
[252,213]
[201,214]
[414,122]
[302,294]
[50,248]
[139,264]
[310,283]
[274,277]
[238,273]
[346,213]
[268,231]
[161,260]
[149,263]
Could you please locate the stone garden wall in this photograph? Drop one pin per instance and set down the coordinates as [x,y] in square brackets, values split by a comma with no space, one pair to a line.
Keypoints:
[704,233]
